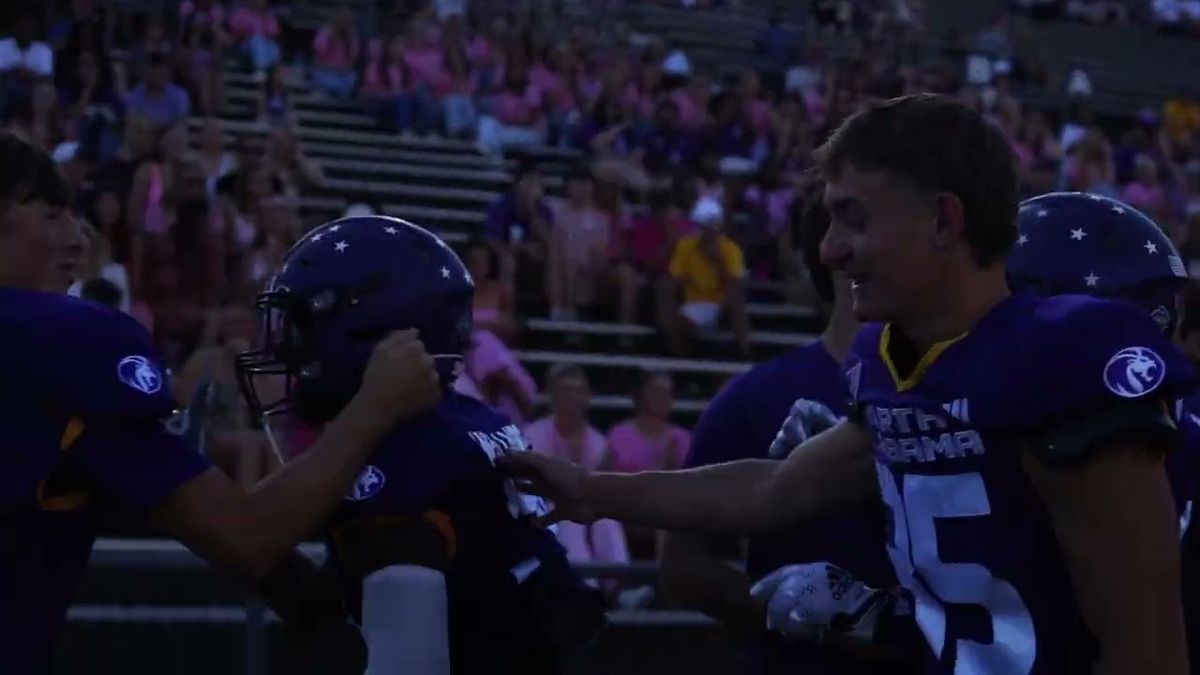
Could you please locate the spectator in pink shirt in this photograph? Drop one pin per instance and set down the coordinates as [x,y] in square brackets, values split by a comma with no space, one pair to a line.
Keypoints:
[517,115]
[388,86]
[256,29]
[336,48]
[756,110]
[1146,192]
[639,96]
[455,87]
[692,102]
[566,434]
[423,54]
[555,76]
[203,38]
[648,441]
[492,373]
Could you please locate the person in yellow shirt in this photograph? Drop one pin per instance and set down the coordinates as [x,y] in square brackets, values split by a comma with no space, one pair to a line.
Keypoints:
[708,270]
[1181,118]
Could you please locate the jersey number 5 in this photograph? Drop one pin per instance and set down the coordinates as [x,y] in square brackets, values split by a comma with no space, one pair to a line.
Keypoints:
[933,582]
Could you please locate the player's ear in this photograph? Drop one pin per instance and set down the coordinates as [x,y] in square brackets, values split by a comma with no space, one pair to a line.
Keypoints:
[950,220]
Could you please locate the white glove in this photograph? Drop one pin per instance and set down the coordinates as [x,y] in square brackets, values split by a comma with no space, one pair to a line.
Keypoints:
[806,419]
[812,601]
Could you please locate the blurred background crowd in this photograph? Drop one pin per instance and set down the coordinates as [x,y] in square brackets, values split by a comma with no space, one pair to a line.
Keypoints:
[634,191]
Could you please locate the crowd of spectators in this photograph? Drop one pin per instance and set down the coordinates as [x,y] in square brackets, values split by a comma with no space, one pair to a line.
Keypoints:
[683,193]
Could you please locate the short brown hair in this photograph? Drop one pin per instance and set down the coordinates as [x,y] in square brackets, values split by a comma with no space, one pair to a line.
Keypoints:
[941,145]
[28,174]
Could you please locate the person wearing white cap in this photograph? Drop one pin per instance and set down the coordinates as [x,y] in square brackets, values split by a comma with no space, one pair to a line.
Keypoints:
[708,268]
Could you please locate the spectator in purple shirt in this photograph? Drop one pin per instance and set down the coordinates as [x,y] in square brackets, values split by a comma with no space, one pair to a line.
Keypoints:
[518,225]
[667,147]
[157,98]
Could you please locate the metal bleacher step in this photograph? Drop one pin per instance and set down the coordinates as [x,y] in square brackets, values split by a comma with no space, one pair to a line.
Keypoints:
[638,330]
[637,362]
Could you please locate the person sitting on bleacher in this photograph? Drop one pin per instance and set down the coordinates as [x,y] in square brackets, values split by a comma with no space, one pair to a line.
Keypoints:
[335,49]
[517,114]
[567,433]
[388,85]
[708,269]
[256,29]
[648,441]
[492,372]
[518,225]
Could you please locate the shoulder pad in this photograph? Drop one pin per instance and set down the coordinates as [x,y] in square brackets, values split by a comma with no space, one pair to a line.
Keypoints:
[1078,353]
[101,362]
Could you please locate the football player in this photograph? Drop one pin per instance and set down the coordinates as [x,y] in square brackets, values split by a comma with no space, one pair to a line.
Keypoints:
[1016,441]
[81,419]
[442,566]
[1092,245]
[765,414]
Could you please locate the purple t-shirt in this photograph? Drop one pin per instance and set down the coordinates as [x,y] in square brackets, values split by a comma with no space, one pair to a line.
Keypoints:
[83,430]
[172,105]
[747,420]
[506,223]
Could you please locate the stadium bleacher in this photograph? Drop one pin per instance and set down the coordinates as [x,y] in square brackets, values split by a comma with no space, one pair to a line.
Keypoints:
[446,185]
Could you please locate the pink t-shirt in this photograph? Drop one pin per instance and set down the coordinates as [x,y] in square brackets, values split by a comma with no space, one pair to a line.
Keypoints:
[630,450]
[553,87]
[584,230]
[446,84]
[517,108]
[637,103]
[479,51]
[425,63]
[334,53]
[691,115]
[589,451]
[648,235]
[776,203]
[1150,198]
[489,356]
[378,83]
[246,22]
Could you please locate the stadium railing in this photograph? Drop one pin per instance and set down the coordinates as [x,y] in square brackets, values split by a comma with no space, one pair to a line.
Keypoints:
[255,617]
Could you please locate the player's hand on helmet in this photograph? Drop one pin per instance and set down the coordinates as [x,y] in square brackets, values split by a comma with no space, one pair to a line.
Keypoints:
[558,481]
[401,378]
[820,602]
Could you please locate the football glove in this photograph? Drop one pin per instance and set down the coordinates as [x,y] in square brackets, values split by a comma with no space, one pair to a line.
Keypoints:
[813,602]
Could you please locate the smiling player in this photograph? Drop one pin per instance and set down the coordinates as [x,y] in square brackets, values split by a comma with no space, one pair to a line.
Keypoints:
[1016,441]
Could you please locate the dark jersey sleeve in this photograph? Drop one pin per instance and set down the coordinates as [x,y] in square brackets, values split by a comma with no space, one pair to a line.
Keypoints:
[720,435]
[1106,377]
[107,374]
[136,463]
[104,365]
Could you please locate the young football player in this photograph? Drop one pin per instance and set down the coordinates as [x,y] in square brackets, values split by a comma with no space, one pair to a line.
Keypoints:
[765,414]
[82,414]
[1016,441]
[442,566]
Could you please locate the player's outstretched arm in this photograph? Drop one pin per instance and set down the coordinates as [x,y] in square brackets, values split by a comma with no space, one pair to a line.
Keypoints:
[1115,522]
[828,471]
[247,533]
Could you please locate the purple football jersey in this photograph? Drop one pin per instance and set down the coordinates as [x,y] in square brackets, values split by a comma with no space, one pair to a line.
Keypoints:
[443,462]
[969,535]
[759,415]
[82,418]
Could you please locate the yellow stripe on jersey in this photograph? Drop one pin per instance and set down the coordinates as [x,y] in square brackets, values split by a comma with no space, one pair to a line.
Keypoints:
[923,364]
[74,499]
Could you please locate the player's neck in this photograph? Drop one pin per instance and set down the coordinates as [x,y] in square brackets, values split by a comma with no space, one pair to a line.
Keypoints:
[839,332]
[962,304]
